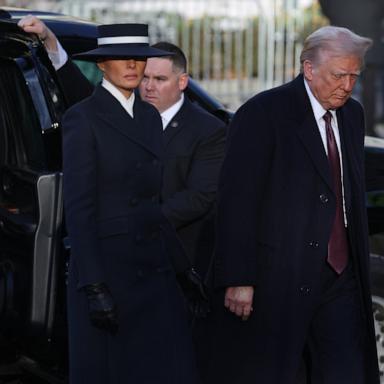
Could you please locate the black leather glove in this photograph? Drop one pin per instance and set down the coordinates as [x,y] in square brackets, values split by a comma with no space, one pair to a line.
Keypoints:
[102,309]
[195,292]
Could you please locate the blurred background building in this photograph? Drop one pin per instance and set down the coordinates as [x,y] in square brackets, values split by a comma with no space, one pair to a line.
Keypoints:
[237,48]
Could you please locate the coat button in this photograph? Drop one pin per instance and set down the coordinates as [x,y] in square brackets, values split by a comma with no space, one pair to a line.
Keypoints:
[323,198]
[138,165]
[305,290]
[155,161]
[133,201]
[154,199]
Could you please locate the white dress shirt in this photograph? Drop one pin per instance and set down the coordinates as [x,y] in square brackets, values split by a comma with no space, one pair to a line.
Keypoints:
[127,104]
[319,112]
[59,57]
[169,113]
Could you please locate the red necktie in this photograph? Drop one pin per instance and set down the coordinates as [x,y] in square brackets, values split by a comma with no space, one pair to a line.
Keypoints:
[338,243]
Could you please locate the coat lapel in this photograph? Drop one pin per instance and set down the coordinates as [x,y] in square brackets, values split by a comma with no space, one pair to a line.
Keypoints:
[138,129]
[347,152]
[308,132]
[176,124]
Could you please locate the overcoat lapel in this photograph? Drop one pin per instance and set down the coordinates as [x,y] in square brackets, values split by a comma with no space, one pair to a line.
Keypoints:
[309,134]
[135,129]
[347,153]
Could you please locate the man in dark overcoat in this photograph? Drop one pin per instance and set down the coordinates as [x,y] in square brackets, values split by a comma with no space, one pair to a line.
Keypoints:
[292,250]
[127,318]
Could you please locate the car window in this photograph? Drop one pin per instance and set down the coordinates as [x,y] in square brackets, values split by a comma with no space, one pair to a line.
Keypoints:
[20,122]
[21,143]
[90,70]
[37,94]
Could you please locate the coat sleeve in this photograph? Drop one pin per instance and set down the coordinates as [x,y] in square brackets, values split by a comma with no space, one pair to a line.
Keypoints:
[196,199]
[74,84]
[242,193]
[80,195]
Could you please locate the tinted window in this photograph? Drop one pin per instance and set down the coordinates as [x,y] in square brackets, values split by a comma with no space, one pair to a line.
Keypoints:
[22,121]
[90,71]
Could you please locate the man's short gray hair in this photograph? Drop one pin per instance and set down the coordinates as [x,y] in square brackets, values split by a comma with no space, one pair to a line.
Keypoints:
[337,41]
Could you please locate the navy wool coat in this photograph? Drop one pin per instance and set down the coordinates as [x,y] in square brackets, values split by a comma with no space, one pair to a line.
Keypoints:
[193,153]
[112,179]
[275,213]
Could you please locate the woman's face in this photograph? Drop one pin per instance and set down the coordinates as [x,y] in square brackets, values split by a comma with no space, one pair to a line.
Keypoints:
[125,75]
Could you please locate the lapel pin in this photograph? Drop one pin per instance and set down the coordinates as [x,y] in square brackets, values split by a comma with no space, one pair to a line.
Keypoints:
[174,124]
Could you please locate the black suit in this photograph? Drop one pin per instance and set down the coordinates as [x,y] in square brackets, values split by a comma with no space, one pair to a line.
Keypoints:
[194,149]
[275,213]
[119,236]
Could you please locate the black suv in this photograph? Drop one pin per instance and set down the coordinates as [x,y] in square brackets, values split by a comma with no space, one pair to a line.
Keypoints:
[33,248]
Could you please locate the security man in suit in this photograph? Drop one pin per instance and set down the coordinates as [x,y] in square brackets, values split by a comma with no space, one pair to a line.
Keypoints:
[194,148]
[126,315]
[292,247]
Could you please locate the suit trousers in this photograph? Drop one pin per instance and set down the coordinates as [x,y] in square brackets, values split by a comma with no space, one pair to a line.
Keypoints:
[335,340]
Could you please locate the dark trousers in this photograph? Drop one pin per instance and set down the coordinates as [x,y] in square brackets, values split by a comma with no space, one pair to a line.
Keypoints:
[335,342]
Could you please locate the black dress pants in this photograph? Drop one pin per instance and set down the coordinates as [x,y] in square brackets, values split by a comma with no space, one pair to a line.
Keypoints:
[335,341]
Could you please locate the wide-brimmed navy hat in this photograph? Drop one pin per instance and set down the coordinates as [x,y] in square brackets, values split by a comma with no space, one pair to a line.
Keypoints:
[120,41]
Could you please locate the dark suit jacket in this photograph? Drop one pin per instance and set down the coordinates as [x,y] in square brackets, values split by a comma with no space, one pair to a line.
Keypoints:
[275,213]
[194,149]
[112,182]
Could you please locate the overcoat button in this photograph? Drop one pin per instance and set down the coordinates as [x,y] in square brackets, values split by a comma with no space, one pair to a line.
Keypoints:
[140,273]
[323,198]
[154,161]
[305,290]
[138,165]
[154,199]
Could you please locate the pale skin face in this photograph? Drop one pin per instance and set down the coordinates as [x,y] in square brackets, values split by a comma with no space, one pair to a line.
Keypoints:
[162,84]
[125,75]
[332,79]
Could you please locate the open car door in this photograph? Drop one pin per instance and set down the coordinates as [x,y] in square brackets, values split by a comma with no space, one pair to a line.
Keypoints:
[32,261]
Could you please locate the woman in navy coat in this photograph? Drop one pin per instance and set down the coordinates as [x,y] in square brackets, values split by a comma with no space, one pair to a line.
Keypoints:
[127,321]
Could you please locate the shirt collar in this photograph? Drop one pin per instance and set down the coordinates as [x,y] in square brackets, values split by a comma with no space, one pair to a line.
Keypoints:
[317,108]
[127,104]
[170,113]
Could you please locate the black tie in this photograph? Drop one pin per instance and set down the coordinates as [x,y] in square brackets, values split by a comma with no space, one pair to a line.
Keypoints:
[338,243]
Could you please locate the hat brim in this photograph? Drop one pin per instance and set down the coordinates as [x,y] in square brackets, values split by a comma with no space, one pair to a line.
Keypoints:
[121,52]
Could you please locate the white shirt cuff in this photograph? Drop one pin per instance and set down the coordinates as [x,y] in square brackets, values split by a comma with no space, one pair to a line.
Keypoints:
[59,57]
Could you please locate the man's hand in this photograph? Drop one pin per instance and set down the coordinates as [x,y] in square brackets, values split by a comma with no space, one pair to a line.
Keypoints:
[239,301]
[32,24]
[102,309]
